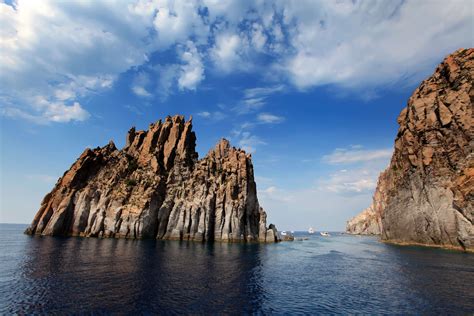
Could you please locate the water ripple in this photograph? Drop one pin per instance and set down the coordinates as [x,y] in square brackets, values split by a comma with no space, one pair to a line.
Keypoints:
[340,274]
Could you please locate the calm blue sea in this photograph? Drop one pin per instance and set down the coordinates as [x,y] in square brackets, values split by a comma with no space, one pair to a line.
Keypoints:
[340,274]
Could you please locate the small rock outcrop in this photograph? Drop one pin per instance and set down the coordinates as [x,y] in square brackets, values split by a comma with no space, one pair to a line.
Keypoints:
[155,187]
[429,184]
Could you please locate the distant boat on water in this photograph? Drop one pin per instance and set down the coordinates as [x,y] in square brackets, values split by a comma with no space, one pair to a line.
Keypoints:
[311,230]
[325,234]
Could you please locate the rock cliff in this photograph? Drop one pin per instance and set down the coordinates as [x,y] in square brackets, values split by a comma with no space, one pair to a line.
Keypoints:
[369,221]
[428,187]
[155,187]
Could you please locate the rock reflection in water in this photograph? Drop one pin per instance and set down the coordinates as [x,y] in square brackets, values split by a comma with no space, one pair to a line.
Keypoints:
[93,275]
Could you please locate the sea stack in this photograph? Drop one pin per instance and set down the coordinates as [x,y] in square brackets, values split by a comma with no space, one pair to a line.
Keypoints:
[426,194]
[155,187]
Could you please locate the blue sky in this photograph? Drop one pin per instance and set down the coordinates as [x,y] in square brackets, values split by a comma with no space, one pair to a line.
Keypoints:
[311,88]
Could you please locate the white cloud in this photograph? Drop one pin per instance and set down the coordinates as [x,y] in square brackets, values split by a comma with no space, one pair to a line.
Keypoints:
[225,53]
[274,193]
[356,154]
[62,50]
[204,114]
[360,173]
[133,109]
[139,85]
[268,118]
[192,72]
[262,92]
[67,50]
[369,43]
[58,112]
[249,142]
[255,98]
[47,112]
[141,91]
[259,38]
[167,77]
[353,181]
[176,21]
[213,116]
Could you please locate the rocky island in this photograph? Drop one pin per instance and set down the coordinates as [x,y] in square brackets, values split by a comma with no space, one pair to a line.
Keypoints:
[425,196]
[155,187]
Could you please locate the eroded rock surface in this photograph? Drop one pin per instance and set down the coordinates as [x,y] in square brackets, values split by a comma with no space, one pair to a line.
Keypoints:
[429,183]
[156,187]
[369,221]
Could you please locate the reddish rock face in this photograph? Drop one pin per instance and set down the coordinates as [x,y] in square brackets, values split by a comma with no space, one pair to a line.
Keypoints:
[156,187]
[429,184]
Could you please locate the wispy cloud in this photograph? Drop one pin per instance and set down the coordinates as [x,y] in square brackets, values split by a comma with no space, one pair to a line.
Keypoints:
[356,154]
[255,98]
[249,142]
[275,193]
[268,118]
[351,181]
[262,92]
[360,172]
[214,116]
[139,85]
[133,109]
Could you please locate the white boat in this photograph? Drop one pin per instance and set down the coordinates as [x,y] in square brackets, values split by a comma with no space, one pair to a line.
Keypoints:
[325,234]
[311,230]
[283,233]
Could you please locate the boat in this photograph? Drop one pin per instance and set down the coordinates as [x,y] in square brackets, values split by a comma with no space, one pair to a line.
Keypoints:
[311,230]
[283,233]
[325,234]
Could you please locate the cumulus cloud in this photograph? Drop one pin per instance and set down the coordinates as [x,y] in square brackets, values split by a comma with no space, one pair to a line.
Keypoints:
[65,51]
[192,71]
[62,50]
[226,52]
[372,43]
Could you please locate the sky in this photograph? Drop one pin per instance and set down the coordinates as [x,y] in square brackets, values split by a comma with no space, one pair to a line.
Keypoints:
[311,88]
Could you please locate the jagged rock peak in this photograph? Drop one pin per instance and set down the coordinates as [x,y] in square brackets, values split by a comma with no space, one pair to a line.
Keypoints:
[428,187]
[163,143]
[156,188]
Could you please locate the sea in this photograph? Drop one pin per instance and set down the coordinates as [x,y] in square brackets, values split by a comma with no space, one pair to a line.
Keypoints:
[340,274]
